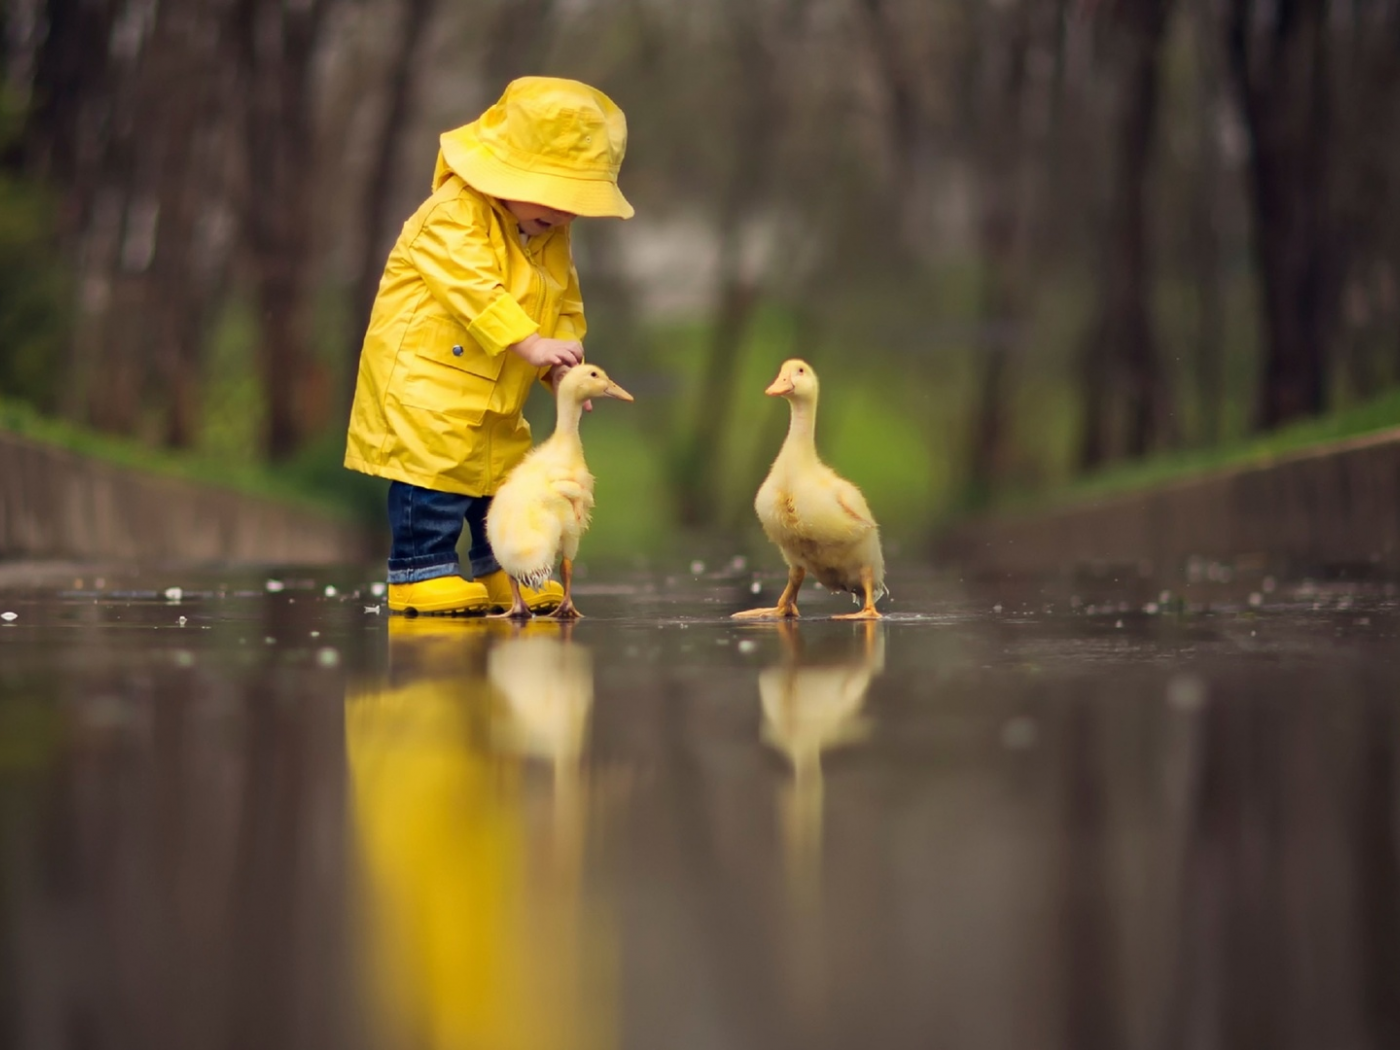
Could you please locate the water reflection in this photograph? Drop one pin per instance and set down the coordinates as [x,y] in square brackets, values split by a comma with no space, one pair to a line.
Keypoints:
[810,708]
[477,930]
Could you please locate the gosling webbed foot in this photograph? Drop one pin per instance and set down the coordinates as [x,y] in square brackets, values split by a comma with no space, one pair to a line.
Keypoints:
[864,614]
[518,610]
[781,612]
[567,612]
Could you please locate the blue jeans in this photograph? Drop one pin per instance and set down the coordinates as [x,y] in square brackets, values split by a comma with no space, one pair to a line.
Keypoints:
[426,524]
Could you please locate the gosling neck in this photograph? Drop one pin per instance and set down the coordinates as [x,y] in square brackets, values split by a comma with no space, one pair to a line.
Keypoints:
[568,412]
[802,427]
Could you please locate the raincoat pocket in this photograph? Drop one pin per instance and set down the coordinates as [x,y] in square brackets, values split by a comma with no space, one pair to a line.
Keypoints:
[448,372]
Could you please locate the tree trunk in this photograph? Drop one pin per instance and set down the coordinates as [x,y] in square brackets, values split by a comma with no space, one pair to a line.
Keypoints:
[415,18]
[182,143]
[1280,75]
[1124,343]
[71,82]
[755,119]
[701,466]
[1147,392]
[901,99]
[1000,144]
[516,41]
[276,45]
[1204,240]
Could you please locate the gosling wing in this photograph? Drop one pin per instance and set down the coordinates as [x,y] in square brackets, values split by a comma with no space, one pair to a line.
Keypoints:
[838,512]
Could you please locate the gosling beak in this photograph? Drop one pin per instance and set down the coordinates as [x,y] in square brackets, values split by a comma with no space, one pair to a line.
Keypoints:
[780,387]
[616,391]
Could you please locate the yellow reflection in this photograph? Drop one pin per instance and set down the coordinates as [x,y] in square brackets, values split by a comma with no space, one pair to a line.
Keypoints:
[810,708]
[476,933]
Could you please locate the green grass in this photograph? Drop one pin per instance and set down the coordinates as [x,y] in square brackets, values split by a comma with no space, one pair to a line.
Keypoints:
[1370,417]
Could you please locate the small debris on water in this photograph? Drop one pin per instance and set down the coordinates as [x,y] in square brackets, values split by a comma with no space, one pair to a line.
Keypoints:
[1119,624]
[9,617]
[1164,597]
[173,594]
[1255,600]
[182,621]
[182,658]
[1363,621]
[755,587]
[328,657]
[697,567]
[738,563]
[997,608]
[269,640]
[274,586]
[331,592]
[372,609]
[1150,608]
[377,589]
[747,645]
[315,634]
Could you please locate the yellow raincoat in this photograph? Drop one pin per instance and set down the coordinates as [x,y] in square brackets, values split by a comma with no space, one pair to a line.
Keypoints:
[438,399]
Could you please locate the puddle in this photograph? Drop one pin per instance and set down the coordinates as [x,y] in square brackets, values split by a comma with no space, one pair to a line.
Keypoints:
[1002,816]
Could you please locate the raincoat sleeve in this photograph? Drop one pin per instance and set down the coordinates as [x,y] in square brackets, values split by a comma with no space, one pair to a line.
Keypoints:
[571,322]
[453,254]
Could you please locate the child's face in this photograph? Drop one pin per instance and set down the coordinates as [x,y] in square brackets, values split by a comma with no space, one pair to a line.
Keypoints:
[535,219]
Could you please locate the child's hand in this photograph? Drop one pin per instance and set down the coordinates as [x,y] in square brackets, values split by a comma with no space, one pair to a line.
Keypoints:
[540,351]
[558,373]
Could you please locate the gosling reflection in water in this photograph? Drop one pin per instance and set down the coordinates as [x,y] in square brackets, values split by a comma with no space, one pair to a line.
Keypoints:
[475,931]
[810,708]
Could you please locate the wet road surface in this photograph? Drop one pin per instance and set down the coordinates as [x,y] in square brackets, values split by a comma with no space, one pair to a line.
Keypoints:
[259,812]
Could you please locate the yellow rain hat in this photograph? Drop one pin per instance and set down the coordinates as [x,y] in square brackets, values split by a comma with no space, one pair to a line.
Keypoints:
[547,141]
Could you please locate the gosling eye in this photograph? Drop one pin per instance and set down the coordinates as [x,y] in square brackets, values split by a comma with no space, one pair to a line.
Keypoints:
[594,374]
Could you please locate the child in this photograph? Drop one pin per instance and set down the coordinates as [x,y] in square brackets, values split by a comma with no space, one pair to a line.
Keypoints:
[479,298]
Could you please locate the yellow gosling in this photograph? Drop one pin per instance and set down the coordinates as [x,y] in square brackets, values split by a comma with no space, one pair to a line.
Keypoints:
[817,519]
[542,510]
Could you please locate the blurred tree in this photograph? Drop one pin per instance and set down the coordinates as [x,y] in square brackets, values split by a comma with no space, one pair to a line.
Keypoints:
[1124,384]
[1205,219]
[1279,62]
[414,18]
[275,47]
[751,115]
[1367,191]
[33,285]
[183,151]
[997,136]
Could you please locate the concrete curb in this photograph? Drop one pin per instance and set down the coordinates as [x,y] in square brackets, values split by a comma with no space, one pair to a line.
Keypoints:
[56,504]
[1330,507]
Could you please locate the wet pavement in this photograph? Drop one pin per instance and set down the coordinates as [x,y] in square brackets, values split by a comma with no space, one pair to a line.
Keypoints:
[259,812]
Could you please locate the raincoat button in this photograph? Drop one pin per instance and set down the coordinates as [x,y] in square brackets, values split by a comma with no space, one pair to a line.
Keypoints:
[456,351]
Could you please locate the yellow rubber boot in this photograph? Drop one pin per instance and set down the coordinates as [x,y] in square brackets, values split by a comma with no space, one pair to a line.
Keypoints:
[444,595]
[546,599]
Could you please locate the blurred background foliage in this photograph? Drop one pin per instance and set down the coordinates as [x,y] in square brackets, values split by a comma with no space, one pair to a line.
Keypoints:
[1030,245]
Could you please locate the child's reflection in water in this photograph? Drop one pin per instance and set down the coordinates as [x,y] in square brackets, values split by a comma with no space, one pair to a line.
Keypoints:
[476,933]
